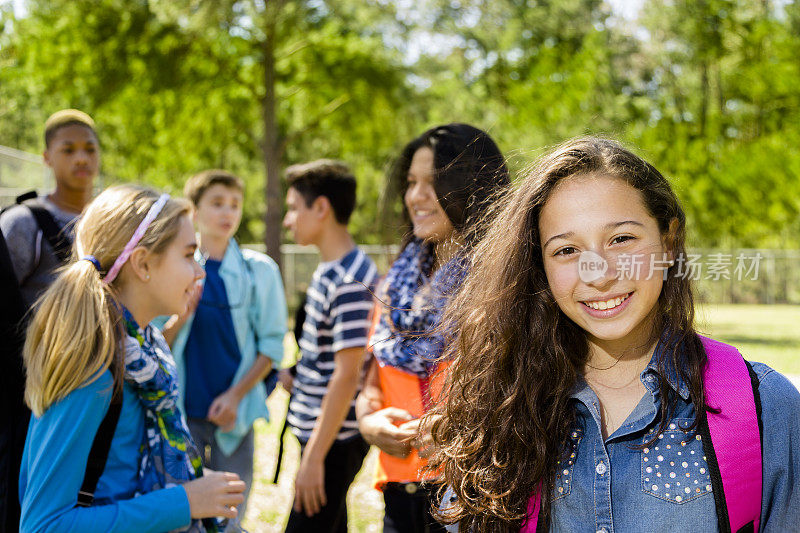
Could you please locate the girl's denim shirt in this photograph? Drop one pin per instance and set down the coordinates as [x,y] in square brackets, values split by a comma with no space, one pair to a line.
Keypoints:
[666,486]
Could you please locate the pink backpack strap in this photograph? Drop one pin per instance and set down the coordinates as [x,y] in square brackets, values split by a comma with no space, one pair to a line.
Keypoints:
[732,440]
[534,506]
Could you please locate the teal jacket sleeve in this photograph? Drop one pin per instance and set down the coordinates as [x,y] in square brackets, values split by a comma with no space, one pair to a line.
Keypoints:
[269,309]
[53,466]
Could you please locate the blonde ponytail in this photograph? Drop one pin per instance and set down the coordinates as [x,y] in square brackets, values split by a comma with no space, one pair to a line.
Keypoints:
[72,337]
[76,330]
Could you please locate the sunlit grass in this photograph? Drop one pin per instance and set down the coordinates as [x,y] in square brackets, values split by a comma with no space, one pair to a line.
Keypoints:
[769,334]
[269,504]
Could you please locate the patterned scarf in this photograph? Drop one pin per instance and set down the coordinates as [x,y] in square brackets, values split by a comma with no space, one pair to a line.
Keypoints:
[407,336]
[169,456]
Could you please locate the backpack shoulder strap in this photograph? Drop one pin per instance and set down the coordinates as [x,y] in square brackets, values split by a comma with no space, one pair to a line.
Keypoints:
[24,197]
[534,520]
[732,438]
[58,240]
[98,455]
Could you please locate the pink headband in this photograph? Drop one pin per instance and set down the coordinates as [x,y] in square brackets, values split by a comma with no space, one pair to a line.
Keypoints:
[151,215]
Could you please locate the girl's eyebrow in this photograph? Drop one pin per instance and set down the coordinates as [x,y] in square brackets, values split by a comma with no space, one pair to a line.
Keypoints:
[615,225]
[609,226]
[559,236]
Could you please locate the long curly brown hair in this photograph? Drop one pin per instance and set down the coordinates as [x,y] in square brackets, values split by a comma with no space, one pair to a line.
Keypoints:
[506,411]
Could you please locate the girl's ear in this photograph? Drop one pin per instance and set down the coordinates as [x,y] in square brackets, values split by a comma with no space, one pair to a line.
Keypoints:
[669,239]
[140,262]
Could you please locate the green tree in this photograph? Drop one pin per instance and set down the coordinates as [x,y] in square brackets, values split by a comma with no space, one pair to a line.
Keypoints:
[248,85]
[722,77]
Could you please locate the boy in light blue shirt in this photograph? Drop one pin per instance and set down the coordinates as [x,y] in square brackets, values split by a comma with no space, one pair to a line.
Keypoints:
[232,336]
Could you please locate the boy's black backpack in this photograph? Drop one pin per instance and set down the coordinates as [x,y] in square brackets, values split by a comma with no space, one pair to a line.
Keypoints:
[15,415]
[59,241]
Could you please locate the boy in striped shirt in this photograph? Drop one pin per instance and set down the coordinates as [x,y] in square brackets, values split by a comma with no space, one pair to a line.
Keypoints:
[320,200]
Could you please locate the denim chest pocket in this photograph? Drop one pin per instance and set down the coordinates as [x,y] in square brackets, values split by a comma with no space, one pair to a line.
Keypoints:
[674,467]
[563,485]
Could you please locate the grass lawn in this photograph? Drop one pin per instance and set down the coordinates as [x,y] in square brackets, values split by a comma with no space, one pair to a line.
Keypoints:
[769,334]
[269,504]
[766,333]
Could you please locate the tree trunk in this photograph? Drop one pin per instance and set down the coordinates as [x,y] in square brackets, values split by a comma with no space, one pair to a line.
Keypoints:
[271,148]
[704,94]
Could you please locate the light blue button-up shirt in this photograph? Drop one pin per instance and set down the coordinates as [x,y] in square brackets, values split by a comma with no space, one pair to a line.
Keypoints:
[258,309]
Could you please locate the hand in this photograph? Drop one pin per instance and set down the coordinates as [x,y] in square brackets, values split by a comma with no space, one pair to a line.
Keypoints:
[309,486]
[373,398]
[380,429]
[369,400]
[176,322]
[285,379]
[423,439]
[214,494]
[191,306]
[222,411]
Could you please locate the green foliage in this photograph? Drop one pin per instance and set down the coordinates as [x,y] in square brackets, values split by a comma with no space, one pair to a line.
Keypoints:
[705,89]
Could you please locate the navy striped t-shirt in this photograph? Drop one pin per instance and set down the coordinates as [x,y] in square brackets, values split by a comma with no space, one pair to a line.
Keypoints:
[338,304]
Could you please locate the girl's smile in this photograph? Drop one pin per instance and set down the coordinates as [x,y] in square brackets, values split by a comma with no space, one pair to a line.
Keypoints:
[608,307]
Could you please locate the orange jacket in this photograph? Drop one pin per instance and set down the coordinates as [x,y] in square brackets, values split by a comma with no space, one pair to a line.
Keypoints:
[415,395]
[409,392]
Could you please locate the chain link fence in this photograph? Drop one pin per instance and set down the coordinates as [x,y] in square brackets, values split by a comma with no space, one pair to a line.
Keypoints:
[20,172]
[299,263]
[748,276]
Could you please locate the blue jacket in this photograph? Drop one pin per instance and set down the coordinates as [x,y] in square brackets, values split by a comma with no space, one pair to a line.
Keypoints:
[259,324]
[54,463]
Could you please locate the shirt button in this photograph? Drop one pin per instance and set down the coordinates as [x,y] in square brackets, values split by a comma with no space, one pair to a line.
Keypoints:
[602,530]
[601,468]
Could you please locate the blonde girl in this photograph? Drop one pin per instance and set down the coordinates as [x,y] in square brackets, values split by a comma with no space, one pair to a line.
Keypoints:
[89,342]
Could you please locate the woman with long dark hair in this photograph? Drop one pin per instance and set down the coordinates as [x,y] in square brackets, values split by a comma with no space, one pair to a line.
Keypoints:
[447,178]
[581,397]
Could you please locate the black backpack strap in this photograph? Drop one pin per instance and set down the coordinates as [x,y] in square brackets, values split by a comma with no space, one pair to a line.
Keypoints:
[100,448]
[299,319]
[24,197]
[59,240]
[281,436]
[757,397]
